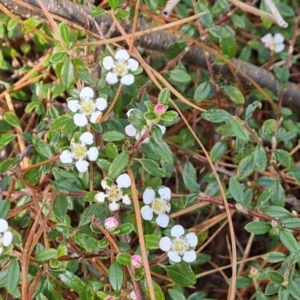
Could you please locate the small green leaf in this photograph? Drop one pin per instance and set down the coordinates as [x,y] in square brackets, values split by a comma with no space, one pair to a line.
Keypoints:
[164,96]
[293,287]
[234,94]
[236,190]
[152,241]
[152,167]
[229,48]
[220,31]
[11,119]
[118,165]
[180,76]
[284,158]
[60,207]
[64,33]
[239,130]
[6,138]
[259,227]
[203,91]
[124,229]
[41,147]
[183,276]
[218,150]
[288,240]
[96,210]
[73,282]
[57,57]
[269,126]
[67,74]
[159,295]
[189,177]
[113,4]
[274,257]
[274,276]
[4,208]
[112,136]
[116,275]
[216,115]
[246,167]
[46,254]
[260,158]
[124,259]
[13,276]
[8,164]
[265,196]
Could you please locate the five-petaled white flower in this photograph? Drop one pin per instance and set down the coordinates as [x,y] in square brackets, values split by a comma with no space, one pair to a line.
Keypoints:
[89,108]
[131,131]
[159,206]
[180,246]
[79,152]
[119,67]
[115,193]
[6,236]
[275,43]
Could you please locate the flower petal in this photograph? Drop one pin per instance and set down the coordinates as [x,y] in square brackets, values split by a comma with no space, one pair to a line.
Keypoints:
[164,193]
[132,64]
[126,200]
[129,112]
[82,166]
[87,93]
[3,225]
[130,130]
[177,231]
[279,48]
[100,197]
[165,243]
[162,128]
[189,256]
[7,238]
[123,181]
[174,256]
[73,105]
[101,103]
[162,220]
[66,157]
[86,138]
[93,153]
[147,213]
[111,78]
[108,63]
[192,239]
[113,206]
[148,195]
[122,55]
[94,116]
[127,79]
[80,120]
[104,184]
[267,38]
[278,38]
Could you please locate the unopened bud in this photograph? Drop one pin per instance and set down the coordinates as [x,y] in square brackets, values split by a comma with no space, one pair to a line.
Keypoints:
[111,224]
[136,261]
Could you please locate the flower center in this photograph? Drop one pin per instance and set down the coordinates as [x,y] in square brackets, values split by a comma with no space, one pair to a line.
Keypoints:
[160,206]
[114,194]
[120,68]
[87,107]
[180,245]
[78,150]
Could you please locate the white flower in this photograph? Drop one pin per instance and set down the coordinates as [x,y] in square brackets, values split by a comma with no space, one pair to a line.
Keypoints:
[131,131]
[275,43]
[6,236]
[79,152]
[114,193]
[89,108]
[119,68]
[180,246]
[159,206]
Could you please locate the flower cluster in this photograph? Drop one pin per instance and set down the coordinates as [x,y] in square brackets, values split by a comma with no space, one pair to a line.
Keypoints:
[114,193]
[79,152]
[89,109]
[119,66]
[181,246]
[274,43]
[158,206]
[6,236]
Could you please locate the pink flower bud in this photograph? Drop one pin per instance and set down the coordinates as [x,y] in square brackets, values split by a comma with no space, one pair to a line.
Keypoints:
[159,109]
[133,295]
[253,271]
[109,298]
[136,261]
[111,224]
